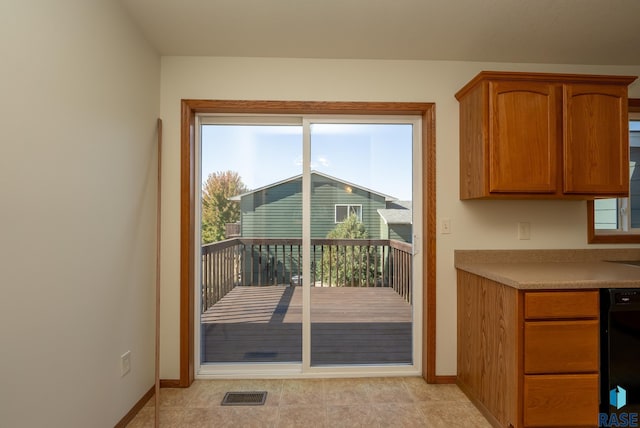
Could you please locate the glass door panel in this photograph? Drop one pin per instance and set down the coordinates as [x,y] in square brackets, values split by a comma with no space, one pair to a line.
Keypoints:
[251,249]
[361,244]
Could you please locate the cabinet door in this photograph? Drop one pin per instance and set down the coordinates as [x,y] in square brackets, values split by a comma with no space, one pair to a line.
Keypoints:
[524,138]
[561,346]
[596,149]
[546,305]
[561,400]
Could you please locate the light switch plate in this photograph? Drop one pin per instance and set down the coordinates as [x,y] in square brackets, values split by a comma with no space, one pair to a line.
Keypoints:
[125,363]
[445,226]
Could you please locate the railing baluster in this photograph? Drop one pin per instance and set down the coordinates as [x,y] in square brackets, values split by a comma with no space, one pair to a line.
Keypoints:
[205,268]
[229,268]
[281,264]
[223,270]
[212,278]
[398,264]
[322,265]
[205,281]
[250,282]
[343,280]
[259,265]
[384,262]
[375,266]
[215,276]
[334,262]
[359,264]
[300,265]
[368,265]
[275,265]
[290,264]
[402,274]
[405,280]
[313,267]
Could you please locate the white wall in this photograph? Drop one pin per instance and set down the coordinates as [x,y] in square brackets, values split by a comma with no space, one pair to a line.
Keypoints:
[78,107]
[475,224]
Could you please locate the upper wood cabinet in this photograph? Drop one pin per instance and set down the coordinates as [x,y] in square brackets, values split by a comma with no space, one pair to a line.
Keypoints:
[539,135]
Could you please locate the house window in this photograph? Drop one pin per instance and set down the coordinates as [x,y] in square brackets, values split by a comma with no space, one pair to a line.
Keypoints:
[344,210]
[617,220]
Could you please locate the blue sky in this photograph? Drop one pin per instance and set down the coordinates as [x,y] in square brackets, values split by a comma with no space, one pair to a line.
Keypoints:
[376,156]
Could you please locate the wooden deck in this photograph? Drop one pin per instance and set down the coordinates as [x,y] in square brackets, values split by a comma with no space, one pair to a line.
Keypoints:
[348,326]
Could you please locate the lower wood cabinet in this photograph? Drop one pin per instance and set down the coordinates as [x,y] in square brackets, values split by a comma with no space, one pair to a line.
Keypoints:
[565,346]
[529,358]
[560,400]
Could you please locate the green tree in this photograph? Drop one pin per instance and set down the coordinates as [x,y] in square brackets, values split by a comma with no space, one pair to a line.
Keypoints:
[347,265]
[217,209]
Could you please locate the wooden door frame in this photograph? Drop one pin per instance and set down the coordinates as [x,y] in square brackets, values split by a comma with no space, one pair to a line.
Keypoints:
[190,108]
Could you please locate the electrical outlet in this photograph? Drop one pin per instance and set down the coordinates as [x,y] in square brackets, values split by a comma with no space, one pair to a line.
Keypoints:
[125,363]
[524,230]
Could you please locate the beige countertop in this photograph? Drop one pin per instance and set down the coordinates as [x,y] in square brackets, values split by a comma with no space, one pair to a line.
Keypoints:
[558,275]
[553,269]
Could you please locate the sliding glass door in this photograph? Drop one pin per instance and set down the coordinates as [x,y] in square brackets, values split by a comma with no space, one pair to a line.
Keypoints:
[251,230]
[361,243]
[307,244]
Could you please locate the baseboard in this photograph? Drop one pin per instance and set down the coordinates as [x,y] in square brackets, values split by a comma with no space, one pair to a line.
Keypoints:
[136,408]
[164,383]
[170,383]
[445,379]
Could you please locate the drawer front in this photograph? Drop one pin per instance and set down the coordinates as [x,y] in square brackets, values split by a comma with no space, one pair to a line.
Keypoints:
[561,401]
[561,346]
[561,304]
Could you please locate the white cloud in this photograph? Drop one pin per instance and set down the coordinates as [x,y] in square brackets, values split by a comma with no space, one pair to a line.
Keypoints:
[321,161]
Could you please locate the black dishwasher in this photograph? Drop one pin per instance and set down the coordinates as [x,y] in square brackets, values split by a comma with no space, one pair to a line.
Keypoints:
[620,353]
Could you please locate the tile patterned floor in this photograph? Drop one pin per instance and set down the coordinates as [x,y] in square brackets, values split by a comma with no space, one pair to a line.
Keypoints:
[309,403]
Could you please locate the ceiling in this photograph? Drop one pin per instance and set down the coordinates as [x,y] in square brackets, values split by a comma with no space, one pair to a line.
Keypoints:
[530,31]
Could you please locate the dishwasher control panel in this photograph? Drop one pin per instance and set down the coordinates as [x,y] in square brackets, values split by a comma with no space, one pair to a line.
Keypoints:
[626,297]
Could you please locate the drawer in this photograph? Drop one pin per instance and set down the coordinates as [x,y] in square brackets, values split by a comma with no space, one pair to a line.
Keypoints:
[561,346]
[561,400]
[561,304]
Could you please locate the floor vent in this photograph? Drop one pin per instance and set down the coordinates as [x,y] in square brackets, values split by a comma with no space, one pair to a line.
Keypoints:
[253,398]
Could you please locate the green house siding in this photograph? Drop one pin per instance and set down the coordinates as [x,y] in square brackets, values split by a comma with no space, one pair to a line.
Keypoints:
[276,212]
[326,194]
[400,232]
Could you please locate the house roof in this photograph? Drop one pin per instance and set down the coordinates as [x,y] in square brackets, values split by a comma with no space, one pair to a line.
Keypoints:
[299,176]
[398,212]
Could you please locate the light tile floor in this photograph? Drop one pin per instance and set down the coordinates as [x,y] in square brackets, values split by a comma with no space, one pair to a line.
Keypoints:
[308,403]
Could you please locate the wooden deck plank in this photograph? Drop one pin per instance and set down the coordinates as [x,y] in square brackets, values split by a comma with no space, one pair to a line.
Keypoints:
[348,326]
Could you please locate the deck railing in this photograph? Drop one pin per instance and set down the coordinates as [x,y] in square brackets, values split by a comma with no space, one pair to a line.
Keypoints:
[334,263]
